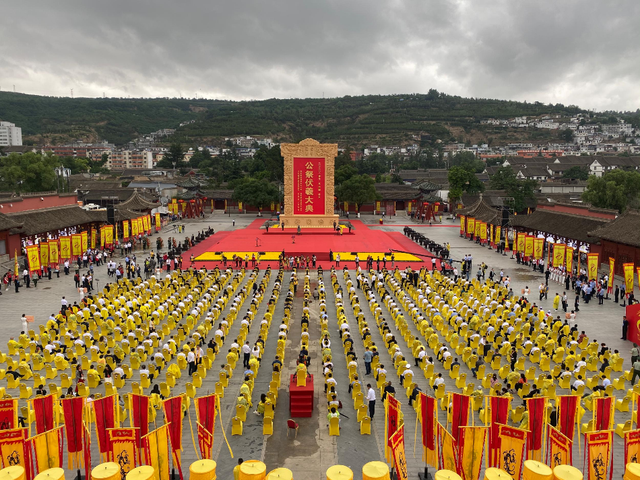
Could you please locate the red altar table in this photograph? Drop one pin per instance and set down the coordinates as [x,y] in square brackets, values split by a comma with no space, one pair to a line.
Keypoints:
[300,398]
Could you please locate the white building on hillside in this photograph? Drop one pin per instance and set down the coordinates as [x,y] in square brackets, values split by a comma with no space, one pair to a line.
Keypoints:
[10,135]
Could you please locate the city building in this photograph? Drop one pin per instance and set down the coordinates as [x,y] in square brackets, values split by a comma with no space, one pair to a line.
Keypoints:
[10,135]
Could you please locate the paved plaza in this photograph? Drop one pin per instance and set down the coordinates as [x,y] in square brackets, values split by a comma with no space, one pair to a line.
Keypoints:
[313,451]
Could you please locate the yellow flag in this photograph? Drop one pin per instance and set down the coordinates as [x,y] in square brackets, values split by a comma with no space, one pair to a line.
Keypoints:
[462,224]
[472,447]
[449,453]
[157,452]
[598,454]
[48,449]
[512,443]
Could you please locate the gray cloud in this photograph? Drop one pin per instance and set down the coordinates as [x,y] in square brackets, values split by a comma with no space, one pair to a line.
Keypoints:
[583,52]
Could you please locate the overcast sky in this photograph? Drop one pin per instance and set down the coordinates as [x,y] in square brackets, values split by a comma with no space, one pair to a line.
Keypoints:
[583,52]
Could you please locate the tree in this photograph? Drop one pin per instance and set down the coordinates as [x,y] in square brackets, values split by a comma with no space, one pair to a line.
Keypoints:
[257,193]
[520,190]
[469,161]
[616,189]
[30,172]
[359,189]
[174,156]
[344,173]
[461,180]
[566,135]
[576,173]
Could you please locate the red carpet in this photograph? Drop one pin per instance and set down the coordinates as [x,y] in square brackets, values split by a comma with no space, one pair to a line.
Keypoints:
[308,243]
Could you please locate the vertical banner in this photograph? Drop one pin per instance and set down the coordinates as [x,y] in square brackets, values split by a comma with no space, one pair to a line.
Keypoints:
[123,449]
[462,224]
[13,449]
[627,268]
[400,460]
[72,409]
[612,272]
[569,259]
[598,453]
[528,246]
[173,416]
[592,265]
[94,238]
[521,241]
[44,254]
[139,416]
[512,448]
[471,224]
[145,224]
[108,236]
[483,231]
[8,414]
[498,234]
[603,412]
[308,186]
[102,236]
[567,411]
[149,222]
[84,237]
[428,424]
[538,248]
[448,450]
[478,227]
[156,446]
[558,254]
[125,229]
[48,449]
[65,247]
[105,410]
[459,414]
[134,227]
[537,420]
[54,252]
[559,449]
[206,416]
[499,408]
[471,451]
[33,255]
[159,221]
[76,244]
[632,446]
[141,225]
[393,417]
[43,410]
[86,447]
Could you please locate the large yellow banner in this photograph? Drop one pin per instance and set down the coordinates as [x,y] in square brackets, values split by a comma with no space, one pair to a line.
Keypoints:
[627,268]
[612,271]
[559,448]
[512,444]
[85,241]
[65,247]
[125,229]
[598,454]
[569,259]
[108,235]
[76,244]
[521,241]
[159,222]
[593,260]
[33,255]
[47,449]
[134,227]
[538,248]
[528,246]
[471,224]
[53,252]
[483,231]
[157,452]
[449,454]
[94,237]
[462,224]
[44,254]
[397,446]
[498,233]
[471,449]
[558,254]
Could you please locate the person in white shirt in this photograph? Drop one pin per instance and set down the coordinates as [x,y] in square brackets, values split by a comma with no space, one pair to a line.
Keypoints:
[371,398]
[578,383]
[438,381]
[119,371]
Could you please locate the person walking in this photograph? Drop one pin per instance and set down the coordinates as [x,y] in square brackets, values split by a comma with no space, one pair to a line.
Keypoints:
[635,354]
[371,396]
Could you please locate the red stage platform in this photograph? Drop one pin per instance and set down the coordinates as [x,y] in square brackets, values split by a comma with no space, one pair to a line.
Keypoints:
[255,240]
[300,398]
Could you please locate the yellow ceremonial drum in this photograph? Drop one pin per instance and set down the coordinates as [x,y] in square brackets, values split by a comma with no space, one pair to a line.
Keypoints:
[567,472]
[15,472]
[534,470]
[446,475]
[280,474]
[145,472]
[339,472]
[496,474]
[253,470]
[202,470]
[51,474]
[375,471]
[631,473]
[106,471]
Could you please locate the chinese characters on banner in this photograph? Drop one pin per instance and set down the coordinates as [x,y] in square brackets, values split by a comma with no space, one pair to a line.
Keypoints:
[538,248]
[397,446]
[308,186]
[593,261]
[462,224]
[558,254]
[34,258]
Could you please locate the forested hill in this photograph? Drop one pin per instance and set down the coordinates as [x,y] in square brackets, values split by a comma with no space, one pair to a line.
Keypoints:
[354,120]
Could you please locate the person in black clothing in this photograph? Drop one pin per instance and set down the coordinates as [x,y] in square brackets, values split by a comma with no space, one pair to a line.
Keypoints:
[11,371]
[625,327]
[276,364]
[414,394]
[616,294]
[388,389]
[513,357]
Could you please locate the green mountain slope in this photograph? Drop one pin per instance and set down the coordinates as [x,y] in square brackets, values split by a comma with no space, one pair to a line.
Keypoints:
[371,118]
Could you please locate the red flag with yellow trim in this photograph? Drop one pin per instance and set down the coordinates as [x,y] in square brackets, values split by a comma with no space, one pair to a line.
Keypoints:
[123,449]
[8,414]
[512,450]
[72,410]
[139,416]
[398,449]
[560,448]
[173,415]
[43,409]
[599,454]
[105,410]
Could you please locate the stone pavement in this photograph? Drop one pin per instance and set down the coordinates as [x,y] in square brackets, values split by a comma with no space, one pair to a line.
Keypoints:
[313,450]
